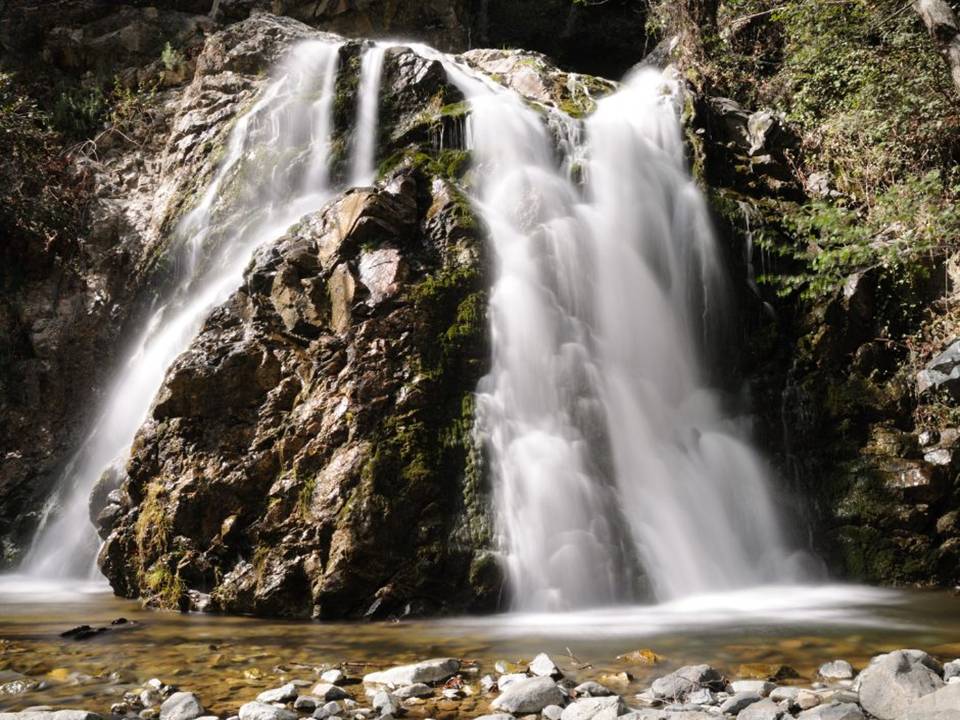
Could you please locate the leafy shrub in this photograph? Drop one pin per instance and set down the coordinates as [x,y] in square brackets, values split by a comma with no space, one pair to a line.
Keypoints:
[900,232]
[876,110]
[40,199]
[79,111]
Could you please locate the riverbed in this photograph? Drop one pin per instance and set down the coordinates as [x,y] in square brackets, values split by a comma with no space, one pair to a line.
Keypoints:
[229,660]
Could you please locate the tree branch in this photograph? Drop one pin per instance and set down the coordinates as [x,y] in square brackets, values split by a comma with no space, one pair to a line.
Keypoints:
[944,30]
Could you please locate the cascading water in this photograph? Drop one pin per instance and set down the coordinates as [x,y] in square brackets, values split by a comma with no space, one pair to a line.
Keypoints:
[614,464]
[275,171]
[365,148]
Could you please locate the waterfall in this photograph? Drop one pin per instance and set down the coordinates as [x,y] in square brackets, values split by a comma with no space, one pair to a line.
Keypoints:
[365,133]
[275,170]
[615,467]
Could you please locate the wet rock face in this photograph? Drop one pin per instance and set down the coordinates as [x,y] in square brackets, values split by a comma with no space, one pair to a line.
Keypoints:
[308,455]
[63,319]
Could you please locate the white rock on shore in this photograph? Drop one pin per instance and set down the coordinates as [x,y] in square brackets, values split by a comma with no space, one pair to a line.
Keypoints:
[262,711]
[427,671]
[836,670]
[50,715]
[181,706]
[529,696]
[893,682]
[284,694]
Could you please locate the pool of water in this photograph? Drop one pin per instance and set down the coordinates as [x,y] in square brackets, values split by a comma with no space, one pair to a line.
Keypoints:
[228,660]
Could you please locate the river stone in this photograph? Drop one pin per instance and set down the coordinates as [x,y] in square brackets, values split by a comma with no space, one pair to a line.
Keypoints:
[763,709]
[496,716]
[415,690]
[50,715]
[150,697]
[807,699]
[702,697]
[505,681]
[680,683]
[262,711]
[529,696]
[589,708]
[593,689]
[552,712]
[543,666]
[282,694]
[760,687]
[739,701]
[181,706]
[951,669]
[784,693]
[386,703]
[334,676]
[833,711]
[836,670]
[307,703]
[427,671]
[331,709]
[668,715]
[890,685]
[328,692]
[942,704]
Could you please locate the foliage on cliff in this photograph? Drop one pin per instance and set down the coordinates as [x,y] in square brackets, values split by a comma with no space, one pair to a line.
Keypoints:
[40,194]
[853,247]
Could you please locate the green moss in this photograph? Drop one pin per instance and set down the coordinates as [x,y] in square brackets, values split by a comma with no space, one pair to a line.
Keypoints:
[426,459]
[166,587]
[457,109]
[153,525]
[450,164]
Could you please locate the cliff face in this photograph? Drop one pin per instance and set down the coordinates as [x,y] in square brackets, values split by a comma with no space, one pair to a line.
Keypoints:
[833,172]
[311,453]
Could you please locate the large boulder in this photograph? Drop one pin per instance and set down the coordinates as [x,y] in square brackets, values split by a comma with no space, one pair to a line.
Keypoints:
[181,706]
[427,671]
[942,704]
[894,682]
[529,696]
[688,679]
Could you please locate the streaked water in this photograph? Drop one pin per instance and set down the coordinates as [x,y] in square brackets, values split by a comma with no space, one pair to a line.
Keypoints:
[367,128]
[275,170]
[616,471]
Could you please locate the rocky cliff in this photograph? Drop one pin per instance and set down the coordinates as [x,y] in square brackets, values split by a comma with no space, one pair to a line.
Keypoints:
[311,453]
[833,173]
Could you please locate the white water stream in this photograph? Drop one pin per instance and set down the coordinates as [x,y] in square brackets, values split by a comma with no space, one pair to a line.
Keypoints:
[366,133]
[615,468]
[275,170]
